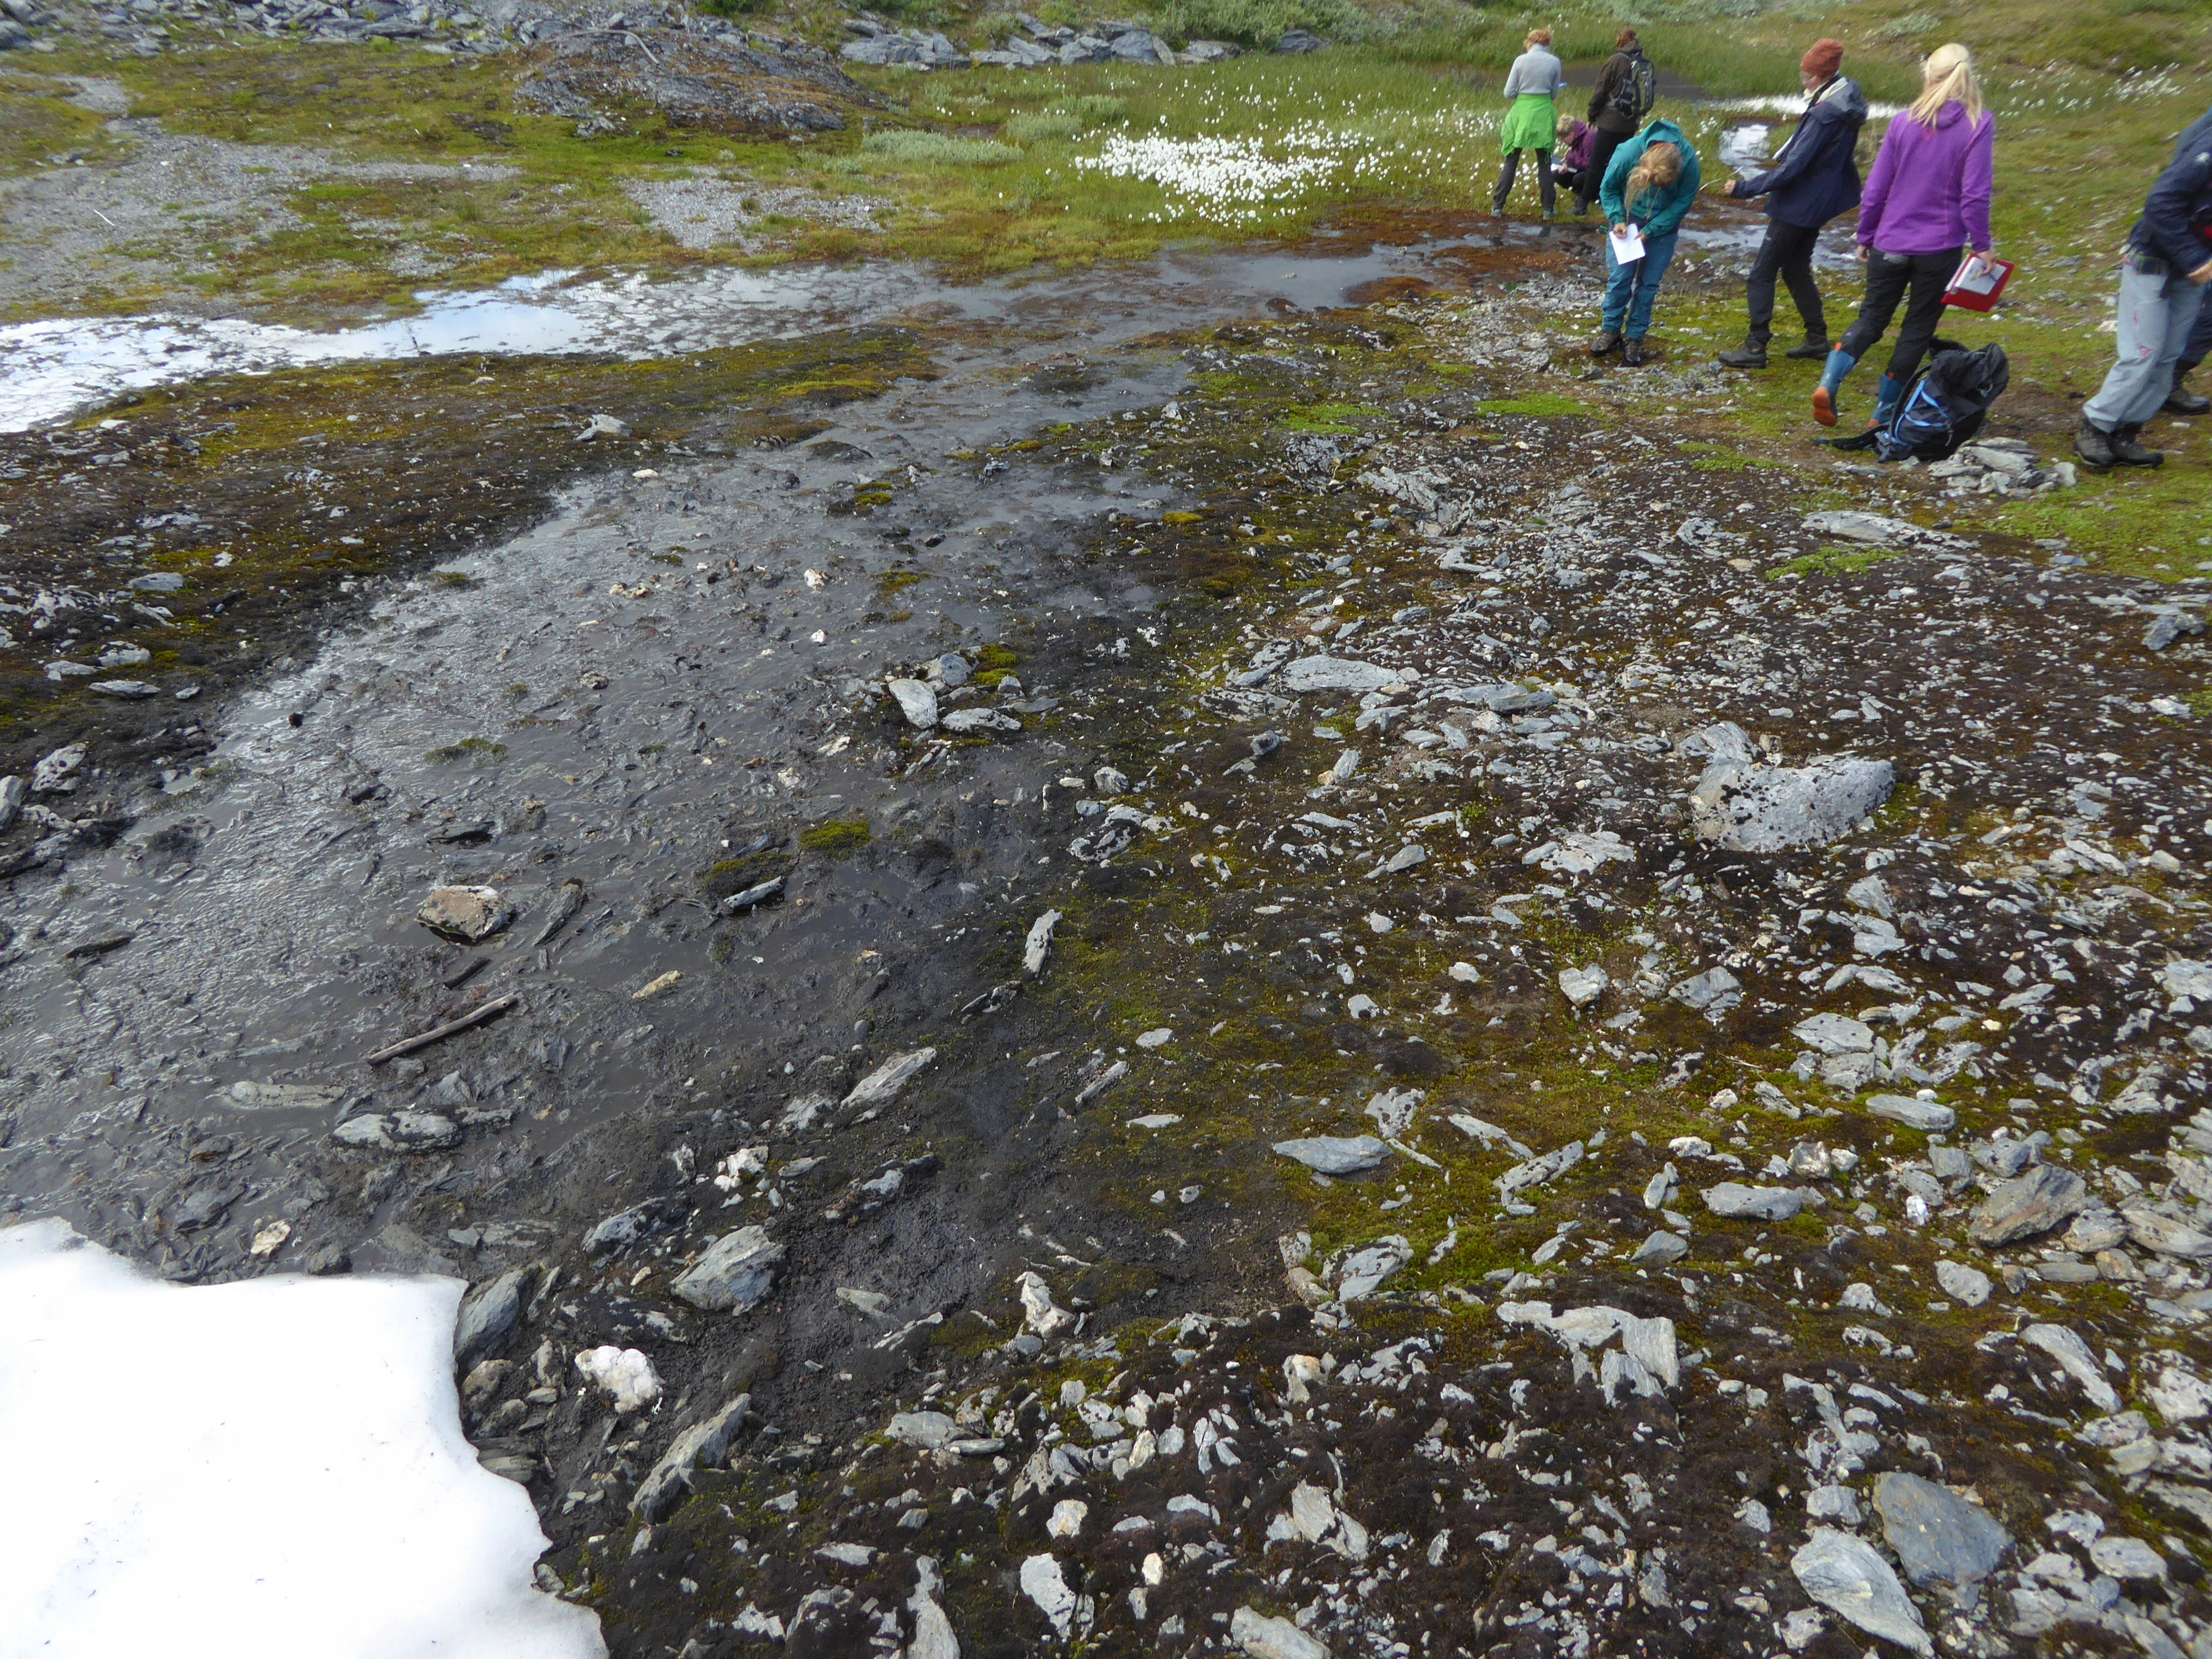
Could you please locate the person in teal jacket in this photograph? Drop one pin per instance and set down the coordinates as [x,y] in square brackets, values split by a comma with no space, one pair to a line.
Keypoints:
[1650,183]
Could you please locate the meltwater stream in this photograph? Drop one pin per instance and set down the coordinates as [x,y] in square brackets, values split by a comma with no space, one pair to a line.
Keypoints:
[53,368]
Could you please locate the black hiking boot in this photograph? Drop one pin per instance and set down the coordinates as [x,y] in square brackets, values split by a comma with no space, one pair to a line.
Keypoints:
[2094,446]
[1816,351]
[2128,452]
[1633,355]
[1604,343]
[2181,401]
[1751,353]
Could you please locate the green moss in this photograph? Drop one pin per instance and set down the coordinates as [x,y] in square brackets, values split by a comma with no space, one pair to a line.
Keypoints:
[452,579]
[1835,562]
[836,838]
[1543,405]
[1329,417]
[466,749]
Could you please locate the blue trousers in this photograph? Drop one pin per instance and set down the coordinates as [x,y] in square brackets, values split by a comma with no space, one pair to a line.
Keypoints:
[1630,290]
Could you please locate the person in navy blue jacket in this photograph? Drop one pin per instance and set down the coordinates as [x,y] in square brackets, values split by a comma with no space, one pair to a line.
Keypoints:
[2181,400]
[1815,177]
[2169,263]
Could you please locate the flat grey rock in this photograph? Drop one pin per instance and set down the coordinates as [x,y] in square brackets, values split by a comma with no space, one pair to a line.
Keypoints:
[1336,1155]
[2045,1198]
[398,1132]
[1750,808]
[1262,1638]
[1931,1117]
[736,1271]
[1737,1202]
[1939,1538]
[1660,1250]
[928,1430]
[884,1083]
[1845,1575]
[1335,674]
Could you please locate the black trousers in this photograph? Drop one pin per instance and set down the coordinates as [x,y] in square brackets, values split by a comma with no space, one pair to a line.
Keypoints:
[1602,145]
[2200,344]
[1787,252]
[1545,188]
[1918,280]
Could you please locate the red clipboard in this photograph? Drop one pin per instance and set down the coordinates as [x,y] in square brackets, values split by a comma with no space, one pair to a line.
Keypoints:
[1982,290]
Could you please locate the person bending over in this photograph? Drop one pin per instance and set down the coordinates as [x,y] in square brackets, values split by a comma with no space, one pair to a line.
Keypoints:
[1650,183]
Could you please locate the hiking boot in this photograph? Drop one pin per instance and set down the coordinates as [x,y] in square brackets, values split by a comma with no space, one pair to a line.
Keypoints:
[2128,452]
[1824,406]
[1751,353]
[1604,343]
[1634,355]
[2094,446]
[2179,402]
[1813,349]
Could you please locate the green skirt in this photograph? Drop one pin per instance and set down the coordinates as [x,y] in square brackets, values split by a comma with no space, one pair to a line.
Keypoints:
[1533,123]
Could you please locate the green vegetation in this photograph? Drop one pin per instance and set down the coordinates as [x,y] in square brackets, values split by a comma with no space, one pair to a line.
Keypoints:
[466,749]
[1542,405]
[836,837]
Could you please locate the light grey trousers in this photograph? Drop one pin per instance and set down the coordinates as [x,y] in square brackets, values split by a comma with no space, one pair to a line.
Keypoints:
[2156,314]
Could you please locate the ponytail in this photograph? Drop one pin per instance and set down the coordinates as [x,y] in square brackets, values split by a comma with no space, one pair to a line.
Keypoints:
[1947,77]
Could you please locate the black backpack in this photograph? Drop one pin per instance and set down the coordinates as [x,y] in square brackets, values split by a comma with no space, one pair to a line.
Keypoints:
[1637,92]
[1943,408]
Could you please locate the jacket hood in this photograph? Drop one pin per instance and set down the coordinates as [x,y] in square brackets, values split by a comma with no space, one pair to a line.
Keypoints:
[1951,114]
[1843,101]
[1663,130]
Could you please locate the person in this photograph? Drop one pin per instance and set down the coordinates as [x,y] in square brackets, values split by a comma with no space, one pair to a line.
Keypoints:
[1814,178]
[1571,143]
[2181,400]
[1650,183]
[1619,104]
[1532,84]
[1927,198]
[2162,282]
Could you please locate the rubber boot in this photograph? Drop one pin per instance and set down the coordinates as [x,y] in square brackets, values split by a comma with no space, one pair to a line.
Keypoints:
[1887,396]
[2094,445]
[1840,363]
[2128,452]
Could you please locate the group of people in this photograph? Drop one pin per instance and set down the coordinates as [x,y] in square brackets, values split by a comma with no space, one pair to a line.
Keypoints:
[1923,226]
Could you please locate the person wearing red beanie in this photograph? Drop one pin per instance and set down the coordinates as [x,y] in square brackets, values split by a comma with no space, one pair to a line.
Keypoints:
[1814,177]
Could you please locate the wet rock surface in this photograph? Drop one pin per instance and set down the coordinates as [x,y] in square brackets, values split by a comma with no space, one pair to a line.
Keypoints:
[1691,1247]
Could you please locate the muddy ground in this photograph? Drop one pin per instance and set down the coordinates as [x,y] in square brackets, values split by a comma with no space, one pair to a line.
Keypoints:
[1135,908]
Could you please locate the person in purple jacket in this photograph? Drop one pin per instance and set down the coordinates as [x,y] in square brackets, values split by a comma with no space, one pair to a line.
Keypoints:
[1927,199]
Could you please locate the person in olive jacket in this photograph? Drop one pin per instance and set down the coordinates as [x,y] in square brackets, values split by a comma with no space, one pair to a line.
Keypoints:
[1814,179]
[1619,103]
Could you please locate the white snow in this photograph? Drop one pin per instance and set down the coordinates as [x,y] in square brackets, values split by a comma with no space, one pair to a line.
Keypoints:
[275,1466]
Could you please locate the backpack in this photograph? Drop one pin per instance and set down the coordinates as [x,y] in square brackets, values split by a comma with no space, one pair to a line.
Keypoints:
[1943,408]
[1637,92]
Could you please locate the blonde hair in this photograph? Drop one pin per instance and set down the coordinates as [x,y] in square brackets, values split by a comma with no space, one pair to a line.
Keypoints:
[1538,37]
[1947,77]
[1660,164]
[1565,128]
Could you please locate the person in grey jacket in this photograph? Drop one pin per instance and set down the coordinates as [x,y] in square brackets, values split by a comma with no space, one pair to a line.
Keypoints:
[1533,86]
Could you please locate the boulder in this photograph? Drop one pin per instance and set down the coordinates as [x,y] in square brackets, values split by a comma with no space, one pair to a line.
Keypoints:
[1326,673]
[2043,1198]
[702,1443]
[1927,1115]
[1748,807]
[398,1132]
[1939,1538]
[1845,1575]
[1262,1638]
[734,1274]
[916,699]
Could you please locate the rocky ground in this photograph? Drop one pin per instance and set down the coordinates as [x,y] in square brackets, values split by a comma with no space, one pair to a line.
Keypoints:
[1281,987]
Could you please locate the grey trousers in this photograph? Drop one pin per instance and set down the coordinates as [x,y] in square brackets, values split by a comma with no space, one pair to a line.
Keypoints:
[2156,315]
